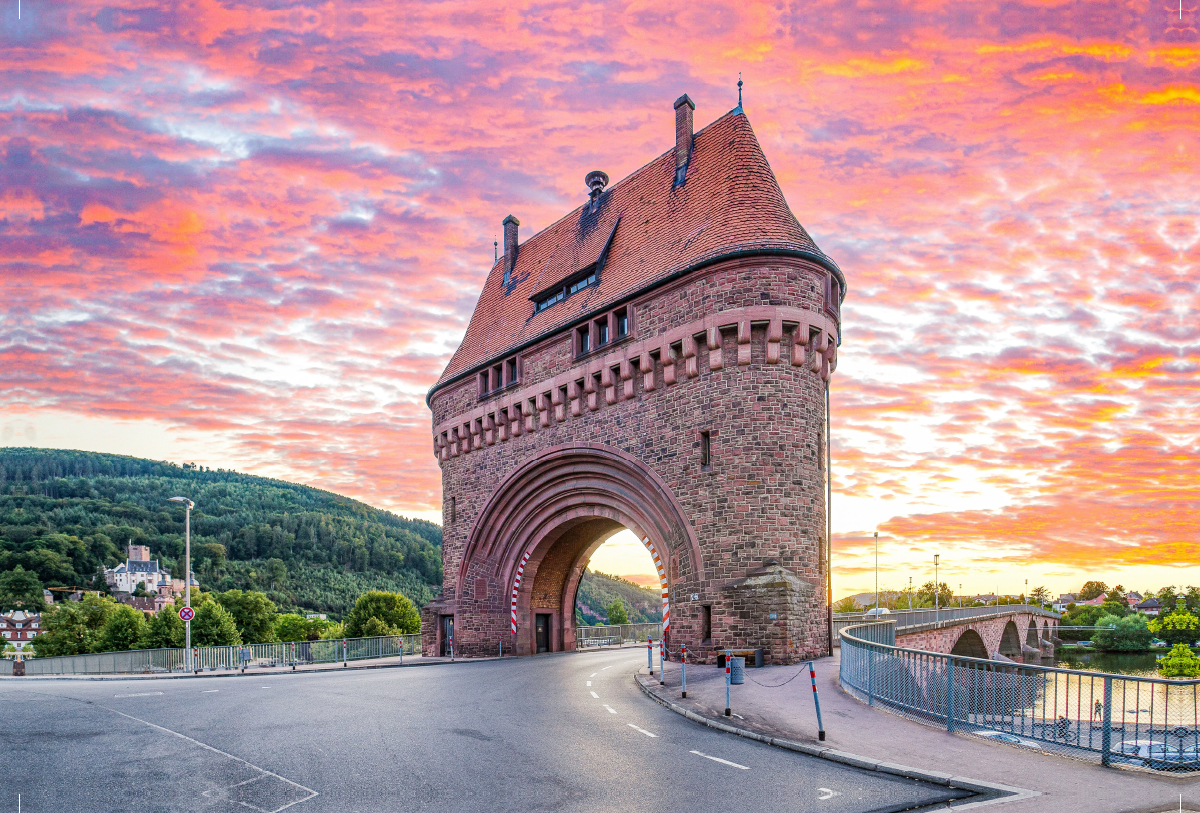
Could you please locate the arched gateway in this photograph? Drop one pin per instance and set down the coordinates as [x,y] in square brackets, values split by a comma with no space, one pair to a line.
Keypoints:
[657,360]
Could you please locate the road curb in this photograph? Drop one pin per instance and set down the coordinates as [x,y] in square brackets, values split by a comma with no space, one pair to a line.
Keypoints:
[1010,794]
[43,678]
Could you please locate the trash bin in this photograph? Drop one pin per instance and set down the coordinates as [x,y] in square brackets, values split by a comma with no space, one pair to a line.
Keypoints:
[758,659]
[737,671]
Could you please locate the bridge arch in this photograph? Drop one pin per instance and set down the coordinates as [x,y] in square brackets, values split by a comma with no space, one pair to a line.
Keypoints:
[1031,637]
[530,544]
[1010,641]
[970,645]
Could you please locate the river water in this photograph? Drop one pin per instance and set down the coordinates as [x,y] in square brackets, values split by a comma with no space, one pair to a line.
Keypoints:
[1137,664]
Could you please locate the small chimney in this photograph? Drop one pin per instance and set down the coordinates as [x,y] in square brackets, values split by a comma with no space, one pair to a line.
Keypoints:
[510,246]
[596,180]
[683,135]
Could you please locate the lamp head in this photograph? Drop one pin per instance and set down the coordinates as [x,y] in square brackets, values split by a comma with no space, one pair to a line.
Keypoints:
[184,500]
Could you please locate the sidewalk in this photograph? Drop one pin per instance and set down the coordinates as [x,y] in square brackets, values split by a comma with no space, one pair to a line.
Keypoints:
[786,711]
[393,662]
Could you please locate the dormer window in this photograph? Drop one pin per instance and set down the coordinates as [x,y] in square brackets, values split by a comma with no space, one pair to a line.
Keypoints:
[579,285]
[572,285]
[546,302]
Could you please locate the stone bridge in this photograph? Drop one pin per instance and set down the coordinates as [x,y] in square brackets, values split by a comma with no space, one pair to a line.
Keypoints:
[1022,634]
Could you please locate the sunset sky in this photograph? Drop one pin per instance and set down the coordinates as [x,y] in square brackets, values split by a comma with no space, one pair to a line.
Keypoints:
[251,235]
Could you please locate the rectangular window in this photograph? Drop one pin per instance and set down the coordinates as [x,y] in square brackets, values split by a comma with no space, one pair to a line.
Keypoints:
[452,511]
[542,304]
[579,285]
[706,622]
[585,339]
[497,377]
[705,451]
[622,319]
[601,332]
[510,371]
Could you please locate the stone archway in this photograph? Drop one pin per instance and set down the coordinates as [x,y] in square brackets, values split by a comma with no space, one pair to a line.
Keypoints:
[970,645]
[534,537]
[1010,641]
[1031,637]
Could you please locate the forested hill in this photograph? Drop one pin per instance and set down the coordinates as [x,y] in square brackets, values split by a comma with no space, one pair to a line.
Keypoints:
[598,590]
[67,514]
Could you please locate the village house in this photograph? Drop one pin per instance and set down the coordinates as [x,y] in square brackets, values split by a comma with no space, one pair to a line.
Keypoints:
[19,628]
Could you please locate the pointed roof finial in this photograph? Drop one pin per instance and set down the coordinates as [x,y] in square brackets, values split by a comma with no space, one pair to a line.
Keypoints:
[495,249]
[739,88]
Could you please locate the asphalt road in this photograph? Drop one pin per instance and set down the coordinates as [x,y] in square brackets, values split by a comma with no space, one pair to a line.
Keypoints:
[564,732]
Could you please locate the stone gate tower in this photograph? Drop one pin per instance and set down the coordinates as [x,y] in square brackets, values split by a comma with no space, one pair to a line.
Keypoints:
[656,360]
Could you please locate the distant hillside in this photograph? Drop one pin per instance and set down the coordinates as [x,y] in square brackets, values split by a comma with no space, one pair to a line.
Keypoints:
[66,514]
[598,590]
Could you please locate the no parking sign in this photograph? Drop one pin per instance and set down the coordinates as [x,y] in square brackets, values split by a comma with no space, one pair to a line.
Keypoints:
[186,613]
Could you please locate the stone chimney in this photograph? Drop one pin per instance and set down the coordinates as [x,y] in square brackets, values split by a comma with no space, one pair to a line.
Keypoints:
[683,136]
[510,246]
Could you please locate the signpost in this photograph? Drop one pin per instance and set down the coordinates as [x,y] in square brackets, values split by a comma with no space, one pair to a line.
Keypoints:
[186,613]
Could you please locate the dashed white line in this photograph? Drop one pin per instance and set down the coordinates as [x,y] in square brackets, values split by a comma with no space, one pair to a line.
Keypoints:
[139,694]
[209,691]
[611,710]
[644,731]
[593,694]
[608,667]
[589,683]
[722,761]
[593,674]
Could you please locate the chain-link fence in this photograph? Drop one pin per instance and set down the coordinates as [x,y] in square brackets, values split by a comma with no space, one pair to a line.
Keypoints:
[615,635]
[1112,719]
[214,658]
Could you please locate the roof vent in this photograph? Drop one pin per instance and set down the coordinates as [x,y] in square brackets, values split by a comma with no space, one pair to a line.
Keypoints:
[596,181]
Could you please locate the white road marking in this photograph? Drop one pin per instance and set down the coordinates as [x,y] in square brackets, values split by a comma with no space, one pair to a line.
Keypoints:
[611,710]
[589,683]
[608,667]
[593,674]
[263,771]
[266,687]
[209,691]
[830,794]
[593,694]
[735,714]
[644,731]
[722,761]
[139,694]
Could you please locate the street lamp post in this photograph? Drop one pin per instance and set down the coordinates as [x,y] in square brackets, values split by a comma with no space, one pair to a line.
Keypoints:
[877,574]
[910,596]
[187,571]
[937,594]
[960,596]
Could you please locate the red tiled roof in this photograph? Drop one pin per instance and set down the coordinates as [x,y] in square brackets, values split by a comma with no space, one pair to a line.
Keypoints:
[730,201]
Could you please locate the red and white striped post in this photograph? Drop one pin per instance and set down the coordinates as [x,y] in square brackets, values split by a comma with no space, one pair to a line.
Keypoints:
[516,588]
[662,656]
[728,680]
[683,666]
[195,660]
[293,656]
[650,655]
[345,654]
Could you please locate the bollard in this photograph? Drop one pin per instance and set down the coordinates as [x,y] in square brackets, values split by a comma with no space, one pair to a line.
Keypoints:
[293,656]
[502,648]
[662,651]
[345,655]
[452,647]
[683,667]
[812,673]
[650,655]
[195,660]
[728,678]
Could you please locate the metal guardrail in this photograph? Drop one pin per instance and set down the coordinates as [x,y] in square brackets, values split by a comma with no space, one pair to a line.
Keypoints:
[1111,719]
[615,635]
[916,618]
[213,658]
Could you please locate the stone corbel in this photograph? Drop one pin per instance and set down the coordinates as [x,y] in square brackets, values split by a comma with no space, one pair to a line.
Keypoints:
[502,424]
[774,335]
[589,387]
[531,416]
[573,397]
[799,344]
[543,409]
[691,363]
[465,441]
[646,368]
[489,430]
[744,342]
[668,362]
[441,447]
[476,437]
[610,386]
[626,379]
[452,435]
[514,420]
[716,357]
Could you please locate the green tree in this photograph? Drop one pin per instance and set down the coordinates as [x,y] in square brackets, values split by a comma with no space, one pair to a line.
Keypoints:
[214,626]
[276,573]
[615,612]
[1179,627]
[253,613]
[1129,634]
[1116,595]
[376,626]
[333,632]
[846,605]
[295,627]
[165,630]
[21,589]
[73,627]
[1180,662]
[124,629]
[1039,596]
[393,609]
[1091,590]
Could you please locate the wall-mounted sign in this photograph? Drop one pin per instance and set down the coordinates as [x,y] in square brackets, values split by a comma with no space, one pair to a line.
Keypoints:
[695,596]
[774,616]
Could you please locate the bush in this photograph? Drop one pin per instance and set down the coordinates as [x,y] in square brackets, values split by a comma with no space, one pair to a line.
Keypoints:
[1130,634]
[124,629]
[295,627]
[1180,662]
[1180,627]
[395,612]
[214,626]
